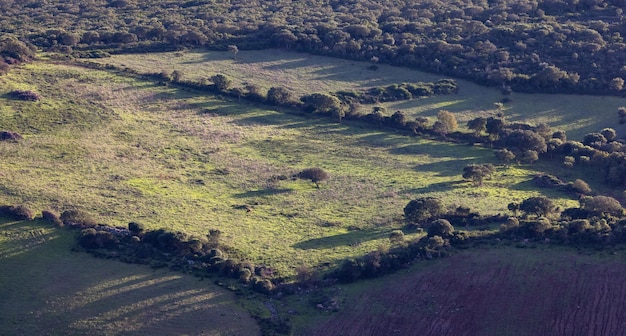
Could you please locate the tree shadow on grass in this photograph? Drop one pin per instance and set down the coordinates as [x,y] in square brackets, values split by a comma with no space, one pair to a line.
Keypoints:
[263,192]
[436,187]
[347,239]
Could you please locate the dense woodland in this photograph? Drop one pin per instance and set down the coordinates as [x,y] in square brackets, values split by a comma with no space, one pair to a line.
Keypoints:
[548,46]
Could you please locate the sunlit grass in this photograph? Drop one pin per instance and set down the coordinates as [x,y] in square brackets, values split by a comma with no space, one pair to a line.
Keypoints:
[154,155]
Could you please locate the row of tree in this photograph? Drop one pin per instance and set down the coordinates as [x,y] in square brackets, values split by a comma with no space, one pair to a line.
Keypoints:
[533,45]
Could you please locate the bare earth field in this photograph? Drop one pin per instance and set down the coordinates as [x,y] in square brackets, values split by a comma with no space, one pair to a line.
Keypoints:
[47,290]
[503,291]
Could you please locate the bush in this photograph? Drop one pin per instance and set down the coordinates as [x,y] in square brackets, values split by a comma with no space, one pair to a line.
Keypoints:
[10,136]
[136,228]
[422,209]
[52,217]
[316,175]
[25,95]
[77,218]
[16,212]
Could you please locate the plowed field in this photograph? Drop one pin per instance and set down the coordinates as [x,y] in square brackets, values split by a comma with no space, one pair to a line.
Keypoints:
[493,292]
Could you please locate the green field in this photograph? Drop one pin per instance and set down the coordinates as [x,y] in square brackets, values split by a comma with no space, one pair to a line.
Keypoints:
[304,74]
[48,290]
[128,150]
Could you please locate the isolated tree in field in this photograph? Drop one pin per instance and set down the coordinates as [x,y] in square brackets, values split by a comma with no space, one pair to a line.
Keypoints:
[478,125]
[604,204]
[221,82]
[316,175]
[233,49]
[538,205]
[422,209]
[176,76]
[478,172]
[440,227]
[278,96]
[447,122]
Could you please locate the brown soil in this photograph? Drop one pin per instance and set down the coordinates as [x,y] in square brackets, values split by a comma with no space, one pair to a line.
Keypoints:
[503,291]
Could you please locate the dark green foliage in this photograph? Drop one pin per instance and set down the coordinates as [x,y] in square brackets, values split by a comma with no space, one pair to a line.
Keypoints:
[221,82]
[278,96]
[605,204]
[16,212]
[504,155]
[525,140]
[136,228]
[321,102]
[316,175]
[539,206]
[478,172]
[422,209]
[77,218]
[478,125]
[25,95]
[52,217]
[440,227]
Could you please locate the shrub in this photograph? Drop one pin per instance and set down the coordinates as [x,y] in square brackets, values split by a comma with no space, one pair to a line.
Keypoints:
[10,136]
[422,209]
[440,227]
[25,95]
[52,217]
[581,186]
[316,175]
[135,228]
[16,212]
[77,218]
[396,236]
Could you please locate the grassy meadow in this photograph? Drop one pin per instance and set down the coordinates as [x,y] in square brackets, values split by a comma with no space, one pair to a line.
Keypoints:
[127,150]
[48,290]
[304,73]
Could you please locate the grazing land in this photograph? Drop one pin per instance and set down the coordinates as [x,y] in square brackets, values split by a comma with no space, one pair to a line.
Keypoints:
[495,291]
[184,161]
[304,73]
[47,289]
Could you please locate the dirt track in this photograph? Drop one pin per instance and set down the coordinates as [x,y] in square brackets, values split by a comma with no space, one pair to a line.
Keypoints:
[493,292]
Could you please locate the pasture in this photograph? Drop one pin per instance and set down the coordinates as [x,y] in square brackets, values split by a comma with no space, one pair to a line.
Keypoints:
[128,150]
[47,289]
[305,73]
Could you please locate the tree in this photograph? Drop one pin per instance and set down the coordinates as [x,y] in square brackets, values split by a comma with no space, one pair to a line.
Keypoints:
[581,186]
[609,134]
[494,126]
[221,82]
[176,76]
[478,125]
[621,113]
[440,227]
[477,172]
[422,209]
[278,96]
[530,156]
[605,204]
[321,102]
[447,121]
[504,155]
[526,140]
[539,206]
[233,49]
[316,175]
